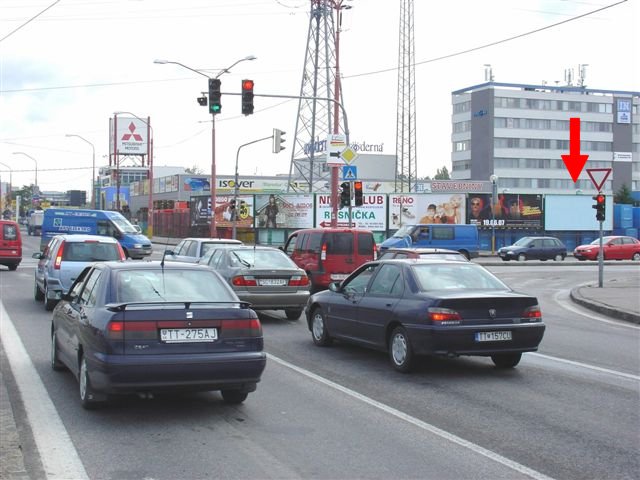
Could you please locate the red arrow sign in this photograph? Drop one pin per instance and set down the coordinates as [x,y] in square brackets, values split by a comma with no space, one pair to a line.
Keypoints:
[574,161]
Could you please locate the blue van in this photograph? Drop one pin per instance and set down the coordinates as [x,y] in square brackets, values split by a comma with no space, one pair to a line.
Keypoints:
[463,238]
[95,222]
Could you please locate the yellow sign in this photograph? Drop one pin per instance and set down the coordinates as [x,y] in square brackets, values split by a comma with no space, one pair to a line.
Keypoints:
[348,155]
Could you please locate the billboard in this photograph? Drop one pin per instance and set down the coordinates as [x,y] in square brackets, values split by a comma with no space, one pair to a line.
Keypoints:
[407,209]
[509,211]
[371,215]
[200,211]
[284,211]
[574,212]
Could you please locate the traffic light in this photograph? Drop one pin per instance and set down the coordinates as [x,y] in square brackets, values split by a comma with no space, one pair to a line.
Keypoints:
[278,140]
[247,97]
[214,96]
[357,193]
[599,206]
[345,194]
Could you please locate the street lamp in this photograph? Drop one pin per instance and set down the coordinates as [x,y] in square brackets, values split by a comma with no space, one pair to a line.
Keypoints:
[93,166]
[150,175]
[213,230]
[37,190]
[494,193]
[10,186]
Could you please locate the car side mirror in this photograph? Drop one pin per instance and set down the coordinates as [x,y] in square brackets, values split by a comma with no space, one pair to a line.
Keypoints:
[37,255]
[334,286]
[169,252]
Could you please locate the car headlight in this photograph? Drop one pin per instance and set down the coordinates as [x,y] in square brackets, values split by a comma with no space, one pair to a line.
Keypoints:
[137,245]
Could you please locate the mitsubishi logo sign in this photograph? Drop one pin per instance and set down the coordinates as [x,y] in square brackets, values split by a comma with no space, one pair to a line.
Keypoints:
[131,136]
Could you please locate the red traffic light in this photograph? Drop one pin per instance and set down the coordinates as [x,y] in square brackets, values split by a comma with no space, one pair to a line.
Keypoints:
[247,84]
[600,198]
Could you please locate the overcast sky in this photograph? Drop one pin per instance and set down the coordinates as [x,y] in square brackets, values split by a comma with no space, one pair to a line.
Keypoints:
[69,69]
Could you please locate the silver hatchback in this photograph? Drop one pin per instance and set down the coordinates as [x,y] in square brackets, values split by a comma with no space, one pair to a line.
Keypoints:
[64,258]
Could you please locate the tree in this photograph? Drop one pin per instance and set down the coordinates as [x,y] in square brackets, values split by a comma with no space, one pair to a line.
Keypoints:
[195,170]
[623,195]
[442,174]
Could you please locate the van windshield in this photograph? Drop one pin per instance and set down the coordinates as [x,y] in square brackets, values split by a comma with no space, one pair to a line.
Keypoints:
[404,231]
[122,223]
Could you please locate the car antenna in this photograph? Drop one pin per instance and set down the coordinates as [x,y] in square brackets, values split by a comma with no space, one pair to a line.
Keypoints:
[166,245]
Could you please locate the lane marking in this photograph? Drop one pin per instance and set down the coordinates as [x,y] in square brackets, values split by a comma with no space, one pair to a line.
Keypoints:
[57,452]
[568,304]
[629,376]
[414,421]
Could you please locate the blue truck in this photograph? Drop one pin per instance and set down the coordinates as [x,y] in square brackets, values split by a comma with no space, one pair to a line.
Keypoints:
[463,238]
[95,222]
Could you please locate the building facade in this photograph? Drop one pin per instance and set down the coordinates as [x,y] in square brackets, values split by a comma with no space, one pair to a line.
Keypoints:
[519,132]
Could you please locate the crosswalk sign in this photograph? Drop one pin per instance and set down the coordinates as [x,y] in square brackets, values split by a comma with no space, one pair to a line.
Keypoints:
[349,173]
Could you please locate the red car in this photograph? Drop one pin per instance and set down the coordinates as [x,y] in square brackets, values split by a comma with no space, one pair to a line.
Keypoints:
[615,248]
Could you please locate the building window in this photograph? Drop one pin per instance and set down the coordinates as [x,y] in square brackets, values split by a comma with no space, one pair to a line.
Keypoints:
[460,127]
[462,107]
[461,146]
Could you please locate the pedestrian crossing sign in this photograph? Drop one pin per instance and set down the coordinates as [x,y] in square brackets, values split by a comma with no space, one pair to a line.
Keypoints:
[349,173]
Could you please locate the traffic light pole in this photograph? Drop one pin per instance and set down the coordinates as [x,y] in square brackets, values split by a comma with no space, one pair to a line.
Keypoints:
[600,260]
[351,192]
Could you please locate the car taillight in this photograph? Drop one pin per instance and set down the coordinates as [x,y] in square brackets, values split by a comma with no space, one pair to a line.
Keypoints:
[244,281]
[375,252]
[444,316]
[299,281]
[58,261]
[323,252]
[532,313]
[121,253]
[135,330]
[250,327]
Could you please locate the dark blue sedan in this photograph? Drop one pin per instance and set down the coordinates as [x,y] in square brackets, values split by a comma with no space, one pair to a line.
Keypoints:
[145,327]
[416,307]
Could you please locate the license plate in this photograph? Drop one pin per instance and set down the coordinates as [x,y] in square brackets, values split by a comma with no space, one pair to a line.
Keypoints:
[272,281]
[188,335]
[339,276]
[493,336]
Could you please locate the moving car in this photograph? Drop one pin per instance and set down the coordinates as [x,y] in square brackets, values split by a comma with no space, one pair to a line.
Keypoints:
[440,253]
[427,307]
[534,248]
[330,254]
[64,258]
[614,248]
[263,276]
[147,327]
[462,238]
[192,249]
[34,222]
[10,244]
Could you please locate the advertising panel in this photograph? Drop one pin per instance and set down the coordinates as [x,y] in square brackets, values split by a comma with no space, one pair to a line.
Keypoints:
[371,215]
[284,211]
[131,136]
[196,184]
[510,210]
[224,211]
[411,208]
[574,212]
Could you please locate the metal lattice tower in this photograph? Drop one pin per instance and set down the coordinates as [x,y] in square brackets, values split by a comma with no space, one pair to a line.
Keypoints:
[316,117]
[406,161]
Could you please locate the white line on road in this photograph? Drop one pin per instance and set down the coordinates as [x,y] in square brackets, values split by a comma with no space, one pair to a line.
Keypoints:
[59,457]
[567,303]
[416,422]
[587,366]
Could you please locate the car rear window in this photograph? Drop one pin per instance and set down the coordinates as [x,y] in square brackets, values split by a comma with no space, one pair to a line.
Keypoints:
[340,243]
[9,232]
[90,251]
[365,244]
[455,276]
[251,258]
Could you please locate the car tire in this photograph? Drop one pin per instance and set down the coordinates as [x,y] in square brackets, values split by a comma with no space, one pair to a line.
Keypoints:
[87,394]
[319,332]
[522,257]
[506,360]
[37,293]
[234,397]
[48,304]
[400,351]
[56,364]
[559,257]
[505,259]
[13,267]
[635,256]
[293,313]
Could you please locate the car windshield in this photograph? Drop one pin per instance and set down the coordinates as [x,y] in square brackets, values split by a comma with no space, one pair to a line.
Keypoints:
[122,223]
[597,241]
[523,241]
[455,276]
[404,231]
[444,256]
[90,251]
[256,258]
[169,285]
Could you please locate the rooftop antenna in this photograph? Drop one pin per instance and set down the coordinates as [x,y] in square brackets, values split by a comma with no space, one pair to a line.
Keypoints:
[488,73]
[583,74]
[568,76]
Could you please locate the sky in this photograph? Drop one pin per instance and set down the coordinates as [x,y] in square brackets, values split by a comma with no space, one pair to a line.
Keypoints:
[68,70]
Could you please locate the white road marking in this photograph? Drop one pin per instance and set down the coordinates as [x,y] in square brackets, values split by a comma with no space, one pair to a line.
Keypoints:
[414,421]
[587,366]
[59,457]
[568,304]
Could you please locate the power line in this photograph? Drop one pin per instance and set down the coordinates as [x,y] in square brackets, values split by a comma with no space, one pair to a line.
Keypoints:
[28,21]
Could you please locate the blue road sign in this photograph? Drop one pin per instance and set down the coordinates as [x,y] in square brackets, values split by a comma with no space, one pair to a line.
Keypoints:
[349,173]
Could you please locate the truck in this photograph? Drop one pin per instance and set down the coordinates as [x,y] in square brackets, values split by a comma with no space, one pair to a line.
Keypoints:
[95,222]
[463,238]
[34,222]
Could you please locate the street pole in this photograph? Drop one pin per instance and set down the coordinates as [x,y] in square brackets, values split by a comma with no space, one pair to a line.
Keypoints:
[494,195]
[93,164]
[600,260]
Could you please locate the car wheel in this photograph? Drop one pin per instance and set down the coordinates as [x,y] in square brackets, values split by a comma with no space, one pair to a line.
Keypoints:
[400,351]
[506,360]
[636,256]
[48,304]
[505,259]
[559,257]
[319,331]
[522,257]
[293,313]
[56,364]
[234,396]
[37,293]
[87,394]
[13,267]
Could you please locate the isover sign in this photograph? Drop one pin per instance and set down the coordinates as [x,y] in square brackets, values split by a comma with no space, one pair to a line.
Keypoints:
[371,215]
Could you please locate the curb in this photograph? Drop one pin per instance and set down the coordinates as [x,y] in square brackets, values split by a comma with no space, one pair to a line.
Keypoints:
[618,313]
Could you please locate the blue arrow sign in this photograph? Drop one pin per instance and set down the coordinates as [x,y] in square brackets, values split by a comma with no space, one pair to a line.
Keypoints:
[349,172]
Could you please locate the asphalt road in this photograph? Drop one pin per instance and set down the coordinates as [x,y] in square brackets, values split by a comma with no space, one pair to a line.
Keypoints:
[569,411]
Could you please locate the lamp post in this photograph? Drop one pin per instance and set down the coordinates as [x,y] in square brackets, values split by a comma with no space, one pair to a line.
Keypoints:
[36,162]
[494,194]
[10,186]
[213,230]
[93,167]
[150,136]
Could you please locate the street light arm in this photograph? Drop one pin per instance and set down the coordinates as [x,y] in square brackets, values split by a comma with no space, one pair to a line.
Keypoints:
[163,62]
[226,70]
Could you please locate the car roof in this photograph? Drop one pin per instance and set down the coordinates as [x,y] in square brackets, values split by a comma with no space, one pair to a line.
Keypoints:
[151,265]
[257,247]
[332,230]
[423,250]
[73,238]
[214,240]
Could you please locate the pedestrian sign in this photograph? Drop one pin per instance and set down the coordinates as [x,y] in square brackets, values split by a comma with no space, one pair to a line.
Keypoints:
[349,173]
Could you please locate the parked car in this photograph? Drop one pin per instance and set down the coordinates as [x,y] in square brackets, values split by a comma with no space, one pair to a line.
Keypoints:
[440,253]
[427,307]
[192,249]
[263,276]
[10,244]
[147,327]
[330,254]
[614,248]
[534,248]
[64,258]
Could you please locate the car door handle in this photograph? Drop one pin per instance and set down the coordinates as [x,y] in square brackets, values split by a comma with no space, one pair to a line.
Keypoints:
[389,304]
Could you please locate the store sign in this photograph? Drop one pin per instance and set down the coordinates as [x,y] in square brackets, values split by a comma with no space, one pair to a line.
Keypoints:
[371,215]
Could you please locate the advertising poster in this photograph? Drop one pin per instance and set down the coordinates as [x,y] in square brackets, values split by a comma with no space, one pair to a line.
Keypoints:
[225,211]
[284,211]
[510,210]
[371,215]
[407,209]
[195,184]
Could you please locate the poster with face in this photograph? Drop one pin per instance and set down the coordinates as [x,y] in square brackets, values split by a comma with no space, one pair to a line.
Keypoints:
[284,211]
[226,210]
[509,210]
[412,208]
